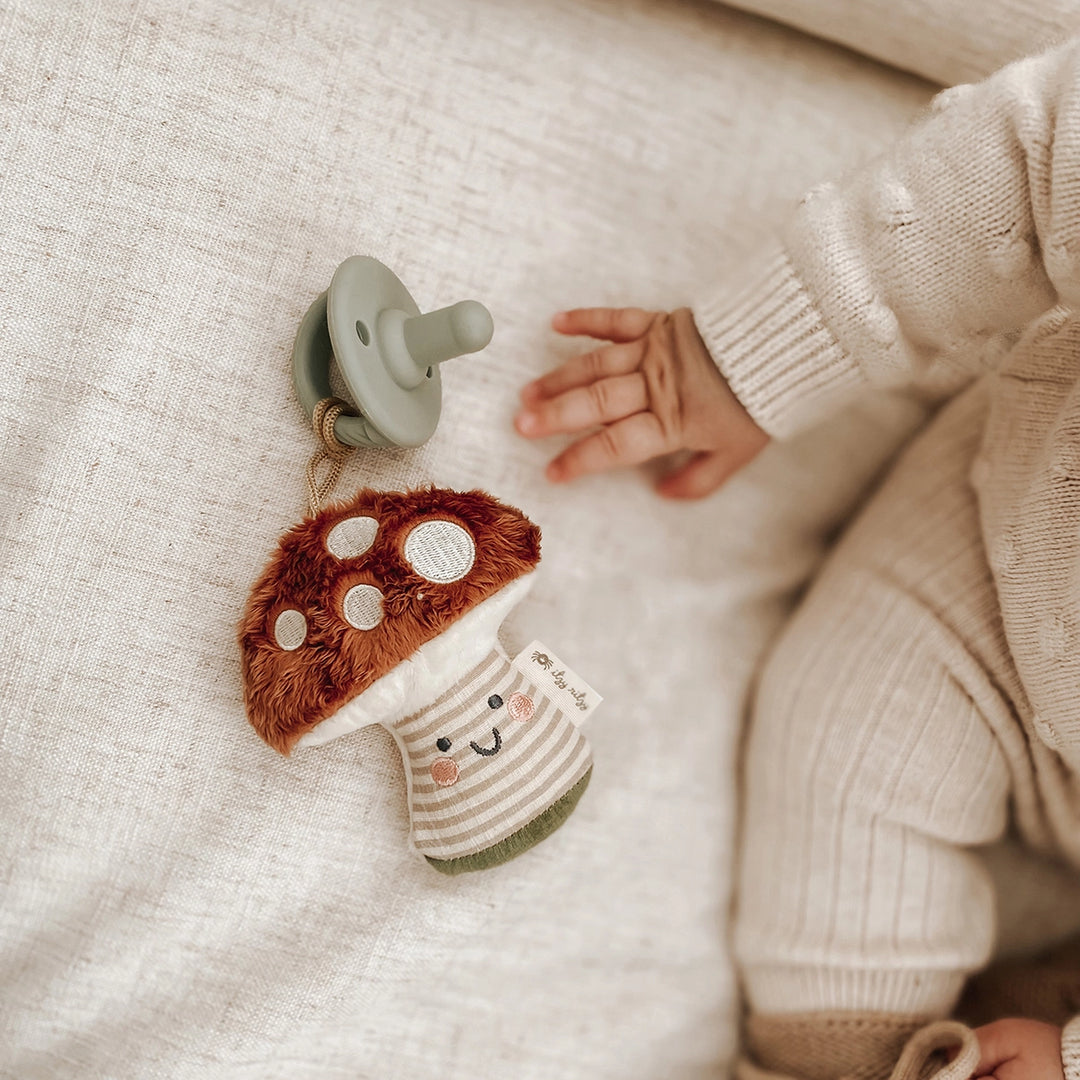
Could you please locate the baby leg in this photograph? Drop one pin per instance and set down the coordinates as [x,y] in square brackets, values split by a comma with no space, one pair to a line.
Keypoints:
[870,771]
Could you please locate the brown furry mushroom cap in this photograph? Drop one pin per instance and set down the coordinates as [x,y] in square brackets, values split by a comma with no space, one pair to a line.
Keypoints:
[354,591]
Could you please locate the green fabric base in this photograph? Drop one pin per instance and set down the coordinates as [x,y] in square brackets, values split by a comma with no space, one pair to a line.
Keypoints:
[518,842]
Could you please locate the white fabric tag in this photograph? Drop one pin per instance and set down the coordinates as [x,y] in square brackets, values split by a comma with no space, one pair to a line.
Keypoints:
[575,697]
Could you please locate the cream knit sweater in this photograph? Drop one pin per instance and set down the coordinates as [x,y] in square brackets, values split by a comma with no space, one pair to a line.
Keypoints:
[928,690]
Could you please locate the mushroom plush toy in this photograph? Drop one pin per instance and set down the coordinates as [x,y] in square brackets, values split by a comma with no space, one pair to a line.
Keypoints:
[385,610]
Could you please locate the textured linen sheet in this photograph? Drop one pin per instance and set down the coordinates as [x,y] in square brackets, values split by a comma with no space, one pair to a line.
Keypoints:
[177,182]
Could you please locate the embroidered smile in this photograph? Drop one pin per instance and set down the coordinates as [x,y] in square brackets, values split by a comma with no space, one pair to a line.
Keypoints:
[484,751]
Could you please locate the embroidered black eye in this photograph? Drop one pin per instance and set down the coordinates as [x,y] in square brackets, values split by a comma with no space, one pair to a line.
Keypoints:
[443,744]
[494,702]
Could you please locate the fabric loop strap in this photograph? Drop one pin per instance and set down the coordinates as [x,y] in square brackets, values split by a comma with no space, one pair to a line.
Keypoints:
[331,450]
[856,1046]
[942,1035]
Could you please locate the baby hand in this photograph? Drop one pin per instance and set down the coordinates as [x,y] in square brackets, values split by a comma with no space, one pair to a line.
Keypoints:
[654,390]
[1019,1050]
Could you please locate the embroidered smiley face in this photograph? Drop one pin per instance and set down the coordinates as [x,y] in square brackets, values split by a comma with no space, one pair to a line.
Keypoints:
[445,771]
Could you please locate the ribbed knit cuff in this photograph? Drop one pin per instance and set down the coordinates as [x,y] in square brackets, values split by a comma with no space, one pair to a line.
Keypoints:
[778,356]
[796,989]
[1070,1049]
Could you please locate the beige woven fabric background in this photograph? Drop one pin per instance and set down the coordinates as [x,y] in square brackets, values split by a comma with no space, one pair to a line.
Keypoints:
[177,182]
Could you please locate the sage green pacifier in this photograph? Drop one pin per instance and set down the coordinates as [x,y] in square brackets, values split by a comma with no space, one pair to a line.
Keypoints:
[388,353]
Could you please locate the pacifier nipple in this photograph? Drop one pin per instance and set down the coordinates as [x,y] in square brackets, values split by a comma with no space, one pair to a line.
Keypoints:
[464,327]
[414,345]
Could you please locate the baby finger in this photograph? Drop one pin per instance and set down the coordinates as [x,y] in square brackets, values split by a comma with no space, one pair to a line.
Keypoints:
[600,402]
[611,324]
[602,363]
[632,441]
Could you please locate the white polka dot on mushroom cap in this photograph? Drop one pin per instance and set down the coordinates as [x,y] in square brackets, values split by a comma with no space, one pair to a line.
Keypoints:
[351,537]
[440,551]
[363,607]
[290,629]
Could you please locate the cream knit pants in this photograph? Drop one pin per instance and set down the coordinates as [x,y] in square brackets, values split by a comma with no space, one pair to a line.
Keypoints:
[871,770]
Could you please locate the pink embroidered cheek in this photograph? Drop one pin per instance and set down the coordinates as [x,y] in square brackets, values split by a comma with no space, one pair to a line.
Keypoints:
[520,707]
[444,771]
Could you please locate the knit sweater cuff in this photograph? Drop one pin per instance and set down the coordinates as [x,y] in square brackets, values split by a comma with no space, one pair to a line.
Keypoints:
[781,988]
[775,351]
[1070,1049]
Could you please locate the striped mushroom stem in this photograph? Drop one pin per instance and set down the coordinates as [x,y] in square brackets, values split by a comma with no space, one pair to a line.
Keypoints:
[486,761]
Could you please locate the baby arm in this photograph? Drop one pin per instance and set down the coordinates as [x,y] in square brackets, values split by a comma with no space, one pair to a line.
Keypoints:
[910,272]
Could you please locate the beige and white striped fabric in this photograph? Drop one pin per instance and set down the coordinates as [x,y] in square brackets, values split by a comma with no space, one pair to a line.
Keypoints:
[537,761]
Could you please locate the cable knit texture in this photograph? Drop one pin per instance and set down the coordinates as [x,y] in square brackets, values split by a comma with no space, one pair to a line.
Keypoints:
[925,692]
